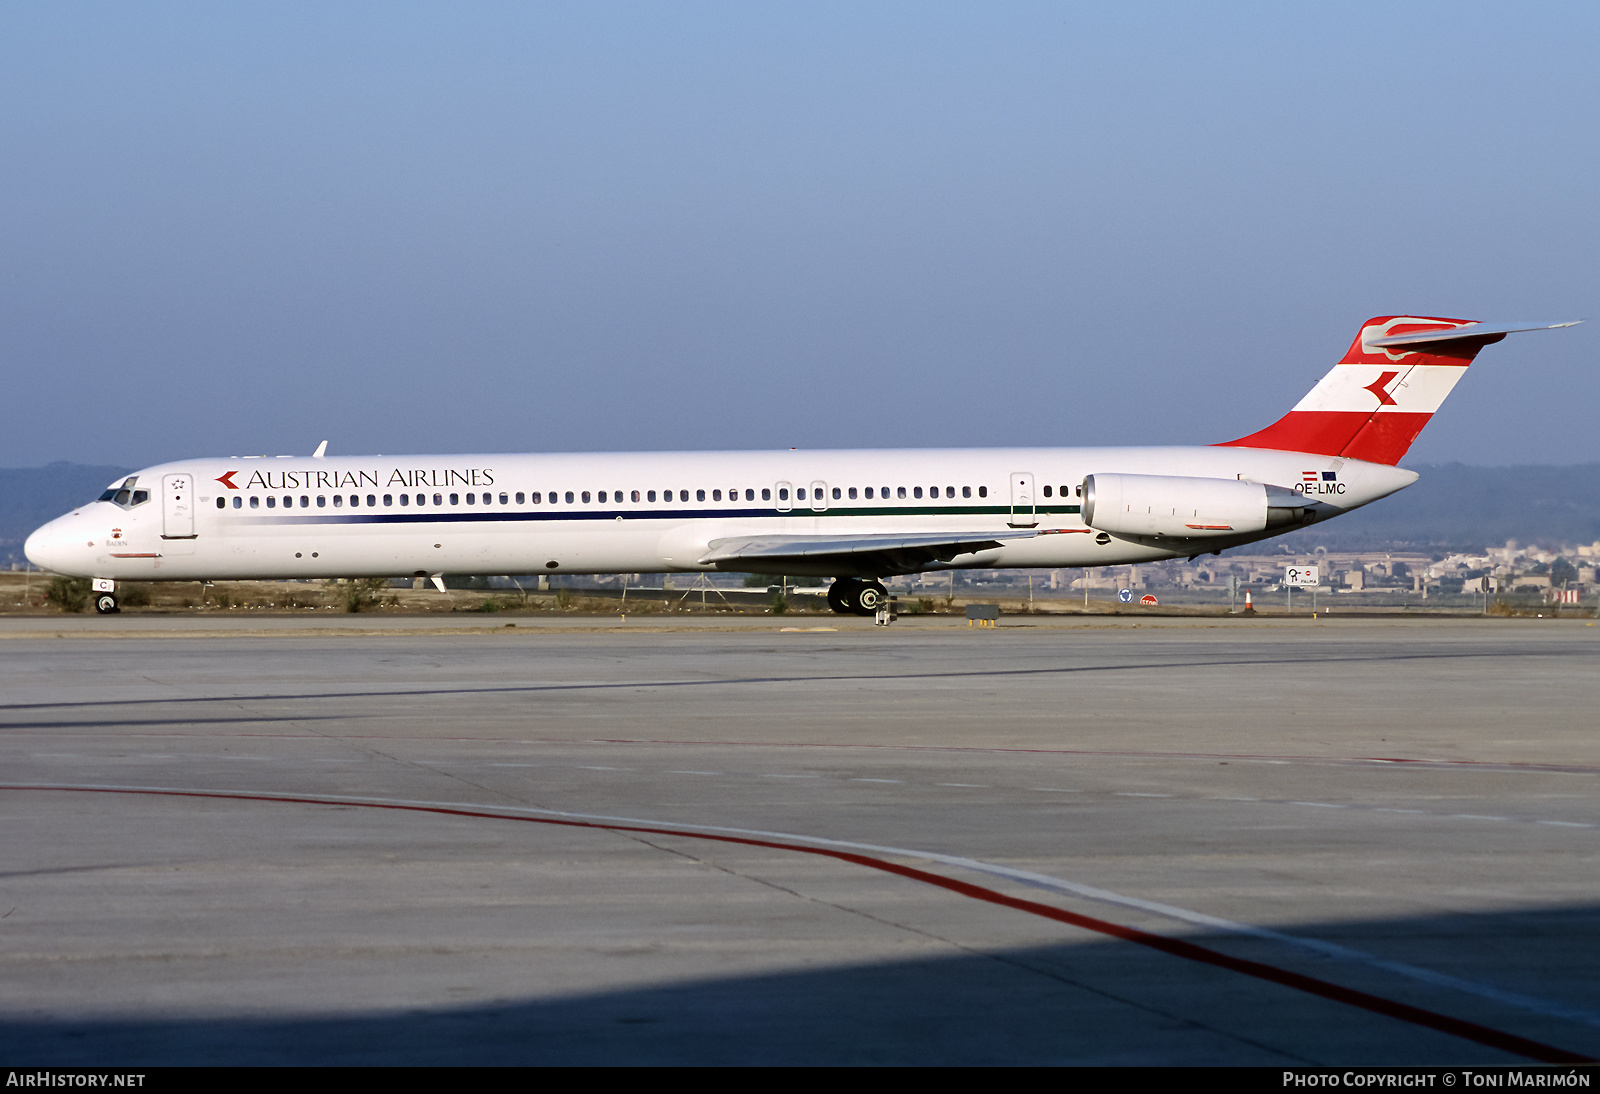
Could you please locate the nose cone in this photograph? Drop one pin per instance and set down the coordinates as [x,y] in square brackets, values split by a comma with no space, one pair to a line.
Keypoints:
[48,548]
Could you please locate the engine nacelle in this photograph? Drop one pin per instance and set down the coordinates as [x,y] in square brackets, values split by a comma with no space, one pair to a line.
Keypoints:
[1186,507]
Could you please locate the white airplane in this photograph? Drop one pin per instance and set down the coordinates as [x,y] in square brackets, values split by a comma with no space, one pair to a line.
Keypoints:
[854,516]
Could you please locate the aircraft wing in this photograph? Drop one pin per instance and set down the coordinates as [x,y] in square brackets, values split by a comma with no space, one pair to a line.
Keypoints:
[863,555]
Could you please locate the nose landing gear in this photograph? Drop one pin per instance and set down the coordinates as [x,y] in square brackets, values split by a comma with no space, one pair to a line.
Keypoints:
[105,595]
[852,596]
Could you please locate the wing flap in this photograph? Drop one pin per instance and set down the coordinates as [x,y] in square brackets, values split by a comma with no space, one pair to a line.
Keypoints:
[865,554]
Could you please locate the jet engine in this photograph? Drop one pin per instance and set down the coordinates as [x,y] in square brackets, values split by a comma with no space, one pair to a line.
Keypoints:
[1185,507]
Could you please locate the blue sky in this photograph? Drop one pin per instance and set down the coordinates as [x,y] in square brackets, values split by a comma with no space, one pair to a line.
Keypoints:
[241,228]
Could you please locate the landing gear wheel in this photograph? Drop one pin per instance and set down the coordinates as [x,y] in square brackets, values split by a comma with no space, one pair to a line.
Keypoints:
[106,604]
[841,595]
[870,598]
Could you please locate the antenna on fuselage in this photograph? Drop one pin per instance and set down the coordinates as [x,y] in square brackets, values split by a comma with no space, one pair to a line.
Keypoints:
[322,450]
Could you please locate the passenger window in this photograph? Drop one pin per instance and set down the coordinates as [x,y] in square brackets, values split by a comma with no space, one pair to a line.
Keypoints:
[222,503]
[766,493]
[683,495]
[438,499]
[836,493]
[237,502]
[569,497]
[651,494]
[305,501]
[966,491]
[255,502]
[852,493]
[371,501]
[272,502]
[535,497]
[586,497]
[338,501]
[322,502]
[916,491]
[405,499]
[869,493]
[388,499]
[783,495]
[471,499]
[949,491]
[455,499]
[520,498]
[749,495]
[800,493]
[983,491]
[716,495]
[1047,491]
[900,492]
[504,501]
[634,495]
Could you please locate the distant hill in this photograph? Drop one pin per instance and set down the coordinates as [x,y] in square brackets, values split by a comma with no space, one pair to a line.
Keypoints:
[30,496]
[1453,505]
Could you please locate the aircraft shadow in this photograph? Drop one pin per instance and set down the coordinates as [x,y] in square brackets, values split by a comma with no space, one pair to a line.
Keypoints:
[1098,1002]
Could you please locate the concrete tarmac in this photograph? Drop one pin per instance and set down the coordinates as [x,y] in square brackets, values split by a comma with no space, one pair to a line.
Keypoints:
[581,841]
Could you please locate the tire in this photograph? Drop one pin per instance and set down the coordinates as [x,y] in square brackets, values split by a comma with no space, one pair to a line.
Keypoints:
[841,595]
[105,604]
[871,596]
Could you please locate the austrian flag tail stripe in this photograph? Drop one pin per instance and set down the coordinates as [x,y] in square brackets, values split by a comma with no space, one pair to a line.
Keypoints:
[1376,400]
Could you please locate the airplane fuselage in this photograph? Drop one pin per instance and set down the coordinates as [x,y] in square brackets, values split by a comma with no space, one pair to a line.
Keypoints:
[259,517]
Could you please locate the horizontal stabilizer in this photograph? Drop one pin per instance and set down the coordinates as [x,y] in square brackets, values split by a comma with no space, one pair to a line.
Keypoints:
[1471,330]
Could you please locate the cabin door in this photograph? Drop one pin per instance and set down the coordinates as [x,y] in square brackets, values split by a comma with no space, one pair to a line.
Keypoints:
[1023,514]
[177,507]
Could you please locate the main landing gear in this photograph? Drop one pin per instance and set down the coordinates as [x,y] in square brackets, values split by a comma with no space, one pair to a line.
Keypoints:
[852,596]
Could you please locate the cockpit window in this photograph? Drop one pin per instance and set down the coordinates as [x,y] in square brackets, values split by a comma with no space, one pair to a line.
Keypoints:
[125,495]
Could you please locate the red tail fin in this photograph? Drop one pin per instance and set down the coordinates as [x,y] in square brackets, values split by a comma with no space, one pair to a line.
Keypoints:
[1376,400]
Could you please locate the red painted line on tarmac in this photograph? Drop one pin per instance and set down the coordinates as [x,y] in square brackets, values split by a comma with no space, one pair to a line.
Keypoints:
[1471,1031]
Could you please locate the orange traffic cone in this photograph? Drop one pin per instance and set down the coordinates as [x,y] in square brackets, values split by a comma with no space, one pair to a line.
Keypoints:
[1249,608]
